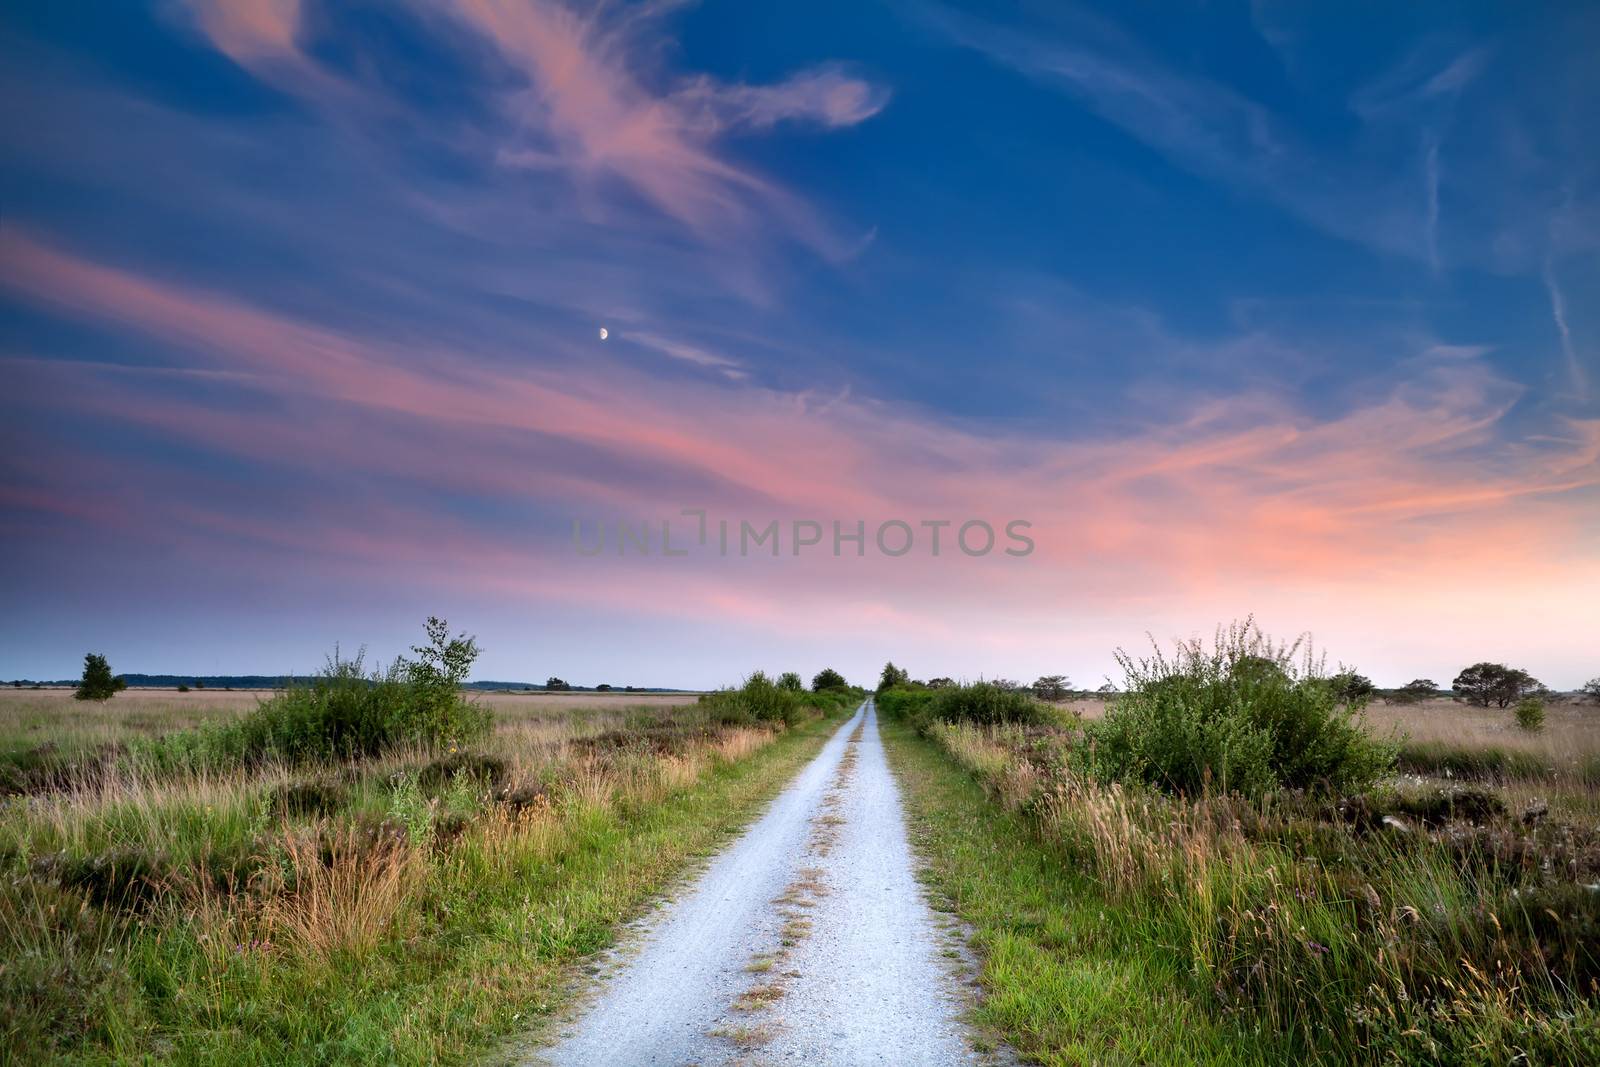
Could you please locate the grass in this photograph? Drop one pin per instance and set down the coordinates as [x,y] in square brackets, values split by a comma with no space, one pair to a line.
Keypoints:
[1400,925]
[413,907]
[1064,981]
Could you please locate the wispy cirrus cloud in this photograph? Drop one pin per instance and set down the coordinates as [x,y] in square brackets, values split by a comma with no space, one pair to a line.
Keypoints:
[1424,469]
[249,31]
[1558,315]
[1427,164]
[587,110]
[694,354]
[1210,129]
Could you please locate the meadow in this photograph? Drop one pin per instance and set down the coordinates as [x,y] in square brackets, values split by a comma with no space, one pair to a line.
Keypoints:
[1394,884]
[284,878]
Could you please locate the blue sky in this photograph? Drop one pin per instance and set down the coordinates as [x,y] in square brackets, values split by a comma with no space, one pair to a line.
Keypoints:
[1246,307]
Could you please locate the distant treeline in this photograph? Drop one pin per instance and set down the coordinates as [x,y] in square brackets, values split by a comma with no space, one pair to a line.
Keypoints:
[279,681]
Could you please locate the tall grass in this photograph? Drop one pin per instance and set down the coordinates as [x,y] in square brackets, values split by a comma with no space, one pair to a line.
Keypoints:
[1356,937]
[1228,808]
[377,893]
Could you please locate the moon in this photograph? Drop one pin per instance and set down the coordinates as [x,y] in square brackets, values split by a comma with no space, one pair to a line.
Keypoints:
[604,333]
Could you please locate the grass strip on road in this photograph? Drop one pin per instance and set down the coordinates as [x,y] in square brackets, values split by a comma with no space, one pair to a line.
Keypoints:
[1066,980]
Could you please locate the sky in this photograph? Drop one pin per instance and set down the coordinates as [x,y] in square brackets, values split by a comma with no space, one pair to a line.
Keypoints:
[1203,310]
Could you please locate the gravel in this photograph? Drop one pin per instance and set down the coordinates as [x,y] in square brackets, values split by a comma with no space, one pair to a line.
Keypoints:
[807,941]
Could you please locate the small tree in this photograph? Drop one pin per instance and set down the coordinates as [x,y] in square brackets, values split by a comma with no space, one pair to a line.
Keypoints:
[602,688]
[828,678]
[1486,684]
[1415,690]
[97,682]
[1050,687]
[941,682]
[1591,689]
[892,676]
[791,681]
[1352,688]
[1530,714]
[556,685]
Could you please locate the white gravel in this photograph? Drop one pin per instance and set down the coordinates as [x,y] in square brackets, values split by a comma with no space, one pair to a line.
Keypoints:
[862,978]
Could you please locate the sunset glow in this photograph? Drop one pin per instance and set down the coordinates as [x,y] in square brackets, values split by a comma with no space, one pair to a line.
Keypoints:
[302,309]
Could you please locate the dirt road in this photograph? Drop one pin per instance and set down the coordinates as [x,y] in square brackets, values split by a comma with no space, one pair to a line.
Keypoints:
[807,941]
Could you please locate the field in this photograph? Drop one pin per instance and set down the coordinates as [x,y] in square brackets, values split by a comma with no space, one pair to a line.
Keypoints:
[1448,910]
[1445,742]
[417,905]
[33,717]
[184,883]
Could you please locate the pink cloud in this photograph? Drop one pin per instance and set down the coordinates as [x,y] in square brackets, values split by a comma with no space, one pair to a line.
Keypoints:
[249,31]
[1232,506]
[588,112]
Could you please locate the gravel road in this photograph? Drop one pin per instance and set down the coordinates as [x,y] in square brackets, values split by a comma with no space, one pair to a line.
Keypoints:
[806,941]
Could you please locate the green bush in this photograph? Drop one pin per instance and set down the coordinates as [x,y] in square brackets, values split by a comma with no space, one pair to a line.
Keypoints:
[985,704]
[347,713]
[981,703]
[1243,716]
[1530,714]
[760,699]
[828,678]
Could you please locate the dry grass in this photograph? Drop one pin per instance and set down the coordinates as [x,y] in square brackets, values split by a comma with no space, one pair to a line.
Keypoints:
[342,893]
[31,717]
[200,883]
[1408,941]
[1571,733]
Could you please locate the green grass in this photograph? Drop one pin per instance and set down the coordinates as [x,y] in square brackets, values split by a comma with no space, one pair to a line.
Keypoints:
[1489,762]
[1066,981]
[480,950]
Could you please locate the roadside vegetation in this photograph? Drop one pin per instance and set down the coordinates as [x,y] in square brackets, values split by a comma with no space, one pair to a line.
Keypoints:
[363,868]
[1245,831]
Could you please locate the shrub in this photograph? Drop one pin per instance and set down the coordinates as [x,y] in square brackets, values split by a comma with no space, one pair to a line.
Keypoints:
[982,704]
[906,703]
[182,688]
[346,713]
[986,704]
[1243,716]
[1436,807]
[1530,714]
[791,681]
[1352,688]
[759,699]
[312,797]
[123,878]
[476,766]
